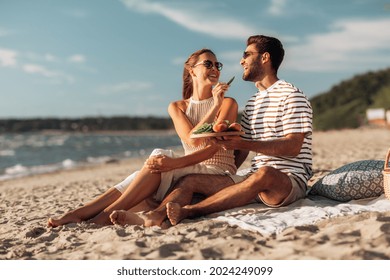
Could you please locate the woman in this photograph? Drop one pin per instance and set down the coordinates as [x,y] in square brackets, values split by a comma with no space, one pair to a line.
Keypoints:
[203,101]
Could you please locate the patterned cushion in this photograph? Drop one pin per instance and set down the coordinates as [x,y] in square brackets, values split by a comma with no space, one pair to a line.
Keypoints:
[357,180]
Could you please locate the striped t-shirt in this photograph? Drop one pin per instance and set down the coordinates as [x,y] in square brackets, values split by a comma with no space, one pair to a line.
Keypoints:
[273,113]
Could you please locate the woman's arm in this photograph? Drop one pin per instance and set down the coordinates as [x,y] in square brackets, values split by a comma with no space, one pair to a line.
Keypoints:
[220,109]
[228,112]
[164,163]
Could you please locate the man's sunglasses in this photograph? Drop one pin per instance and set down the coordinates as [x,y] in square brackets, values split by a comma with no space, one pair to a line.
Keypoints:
[246,54]
[209,64]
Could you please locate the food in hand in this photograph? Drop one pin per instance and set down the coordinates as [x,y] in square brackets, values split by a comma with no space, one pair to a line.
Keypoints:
[235,127]
[231,80]
[220,126]
[206,127]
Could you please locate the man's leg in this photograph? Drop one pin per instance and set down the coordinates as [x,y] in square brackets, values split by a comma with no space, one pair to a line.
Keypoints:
[272,185]
[182,195]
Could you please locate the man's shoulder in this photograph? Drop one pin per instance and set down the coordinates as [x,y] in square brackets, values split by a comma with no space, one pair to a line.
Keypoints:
[289,91]
[287,87]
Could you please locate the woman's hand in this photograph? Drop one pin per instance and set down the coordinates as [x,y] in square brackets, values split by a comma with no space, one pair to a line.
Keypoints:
[219,93]
[160,163]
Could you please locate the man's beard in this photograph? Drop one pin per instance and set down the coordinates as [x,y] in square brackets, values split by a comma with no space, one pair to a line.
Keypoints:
[253,73]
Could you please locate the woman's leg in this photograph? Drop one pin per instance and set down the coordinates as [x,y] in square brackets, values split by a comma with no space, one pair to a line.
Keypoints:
[91,209]
[87,211]
[141,188]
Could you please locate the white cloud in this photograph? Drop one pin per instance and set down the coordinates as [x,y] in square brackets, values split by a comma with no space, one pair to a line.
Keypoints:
[277,7]
[77,58]
[349,44]
[194,18]
[51,58]
[38,69]
[127,87]
[8,58]
[43,71]
[11,58]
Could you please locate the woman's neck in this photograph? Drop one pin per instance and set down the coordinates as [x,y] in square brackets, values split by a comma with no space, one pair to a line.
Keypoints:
[201,93]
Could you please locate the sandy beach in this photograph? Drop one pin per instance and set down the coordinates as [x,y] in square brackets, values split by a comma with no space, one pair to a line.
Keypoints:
[26,203]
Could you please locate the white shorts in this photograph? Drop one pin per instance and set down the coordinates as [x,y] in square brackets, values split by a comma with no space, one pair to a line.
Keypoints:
[169,178]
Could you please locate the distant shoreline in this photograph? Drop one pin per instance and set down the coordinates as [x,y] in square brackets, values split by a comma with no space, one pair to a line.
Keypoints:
[94,132]
[88,124]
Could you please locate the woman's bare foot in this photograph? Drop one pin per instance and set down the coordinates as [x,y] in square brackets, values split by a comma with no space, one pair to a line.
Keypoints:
[175,213]
[122,217]
[66,219]
[155,218]
[147,219]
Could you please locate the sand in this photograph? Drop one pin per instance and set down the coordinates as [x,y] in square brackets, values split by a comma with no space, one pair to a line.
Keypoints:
[26,204]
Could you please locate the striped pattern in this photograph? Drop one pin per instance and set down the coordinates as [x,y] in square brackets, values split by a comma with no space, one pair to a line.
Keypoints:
[196,110]
[271,114]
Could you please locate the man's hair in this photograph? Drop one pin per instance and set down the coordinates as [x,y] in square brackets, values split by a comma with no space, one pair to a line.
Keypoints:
[271,45]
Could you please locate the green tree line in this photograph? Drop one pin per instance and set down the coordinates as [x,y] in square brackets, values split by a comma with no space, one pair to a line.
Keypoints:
[345,104]
[86,124]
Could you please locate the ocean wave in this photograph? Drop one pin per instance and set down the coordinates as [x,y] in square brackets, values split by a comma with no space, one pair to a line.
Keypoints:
[35,153]
[20,170]
[7,153]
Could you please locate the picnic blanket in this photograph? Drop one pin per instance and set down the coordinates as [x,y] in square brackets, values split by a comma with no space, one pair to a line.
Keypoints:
[308,211]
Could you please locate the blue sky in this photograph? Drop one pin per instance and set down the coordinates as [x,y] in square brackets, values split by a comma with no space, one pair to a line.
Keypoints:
[78,58]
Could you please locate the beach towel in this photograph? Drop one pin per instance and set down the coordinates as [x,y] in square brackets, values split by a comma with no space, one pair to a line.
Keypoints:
[308,211]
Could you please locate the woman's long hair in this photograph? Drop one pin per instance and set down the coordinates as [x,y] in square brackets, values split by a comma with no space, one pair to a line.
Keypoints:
[187,79]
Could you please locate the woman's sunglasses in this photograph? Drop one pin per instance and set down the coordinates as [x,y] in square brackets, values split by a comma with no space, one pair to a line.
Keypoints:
[209,64]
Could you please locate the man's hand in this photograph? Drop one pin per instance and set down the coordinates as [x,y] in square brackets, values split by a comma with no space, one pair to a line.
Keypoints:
[230,142]
[287,146]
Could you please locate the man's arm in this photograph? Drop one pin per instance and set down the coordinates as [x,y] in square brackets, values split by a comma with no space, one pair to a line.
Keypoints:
[289,146]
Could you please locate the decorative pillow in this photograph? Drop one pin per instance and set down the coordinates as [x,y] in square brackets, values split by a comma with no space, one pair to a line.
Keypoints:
[357,180]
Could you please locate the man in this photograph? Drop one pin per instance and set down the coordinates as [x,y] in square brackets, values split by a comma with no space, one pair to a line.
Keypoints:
[277,122]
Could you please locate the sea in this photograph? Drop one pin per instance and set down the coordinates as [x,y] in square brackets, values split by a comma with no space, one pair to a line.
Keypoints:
[24,154]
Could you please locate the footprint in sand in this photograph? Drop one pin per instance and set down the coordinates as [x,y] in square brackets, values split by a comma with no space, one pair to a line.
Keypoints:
[385,228]
[122,232]
[211,253]
[383,219]
[35,232]
[168,250]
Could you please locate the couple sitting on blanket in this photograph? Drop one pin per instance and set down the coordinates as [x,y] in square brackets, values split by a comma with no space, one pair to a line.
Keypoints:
[277,126]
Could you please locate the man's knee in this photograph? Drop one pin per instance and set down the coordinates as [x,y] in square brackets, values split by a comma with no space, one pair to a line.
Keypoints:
[265,172]
[266,177]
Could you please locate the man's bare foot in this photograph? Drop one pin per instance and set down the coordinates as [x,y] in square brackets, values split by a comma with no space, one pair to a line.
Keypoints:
[175,213]
[122,217]
[66,219]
